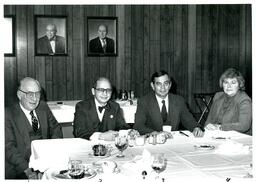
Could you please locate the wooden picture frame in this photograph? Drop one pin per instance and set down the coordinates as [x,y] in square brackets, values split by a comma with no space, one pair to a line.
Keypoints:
[51,35]
[10,29]
[102,36]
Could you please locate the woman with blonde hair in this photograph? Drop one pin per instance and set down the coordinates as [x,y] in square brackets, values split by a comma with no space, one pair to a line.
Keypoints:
[231,108]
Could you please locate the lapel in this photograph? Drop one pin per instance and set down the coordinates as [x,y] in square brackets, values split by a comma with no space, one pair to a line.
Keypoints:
[171,109]
[100,46]
[49,47]
[93,112]
[22,123]
[156,110]
[42,119]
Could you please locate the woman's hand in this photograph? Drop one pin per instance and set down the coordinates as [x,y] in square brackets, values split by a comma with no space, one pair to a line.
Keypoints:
[213,126]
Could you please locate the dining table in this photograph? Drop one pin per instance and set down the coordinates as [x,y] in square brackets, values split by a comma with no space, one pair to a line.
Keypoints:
[217,156]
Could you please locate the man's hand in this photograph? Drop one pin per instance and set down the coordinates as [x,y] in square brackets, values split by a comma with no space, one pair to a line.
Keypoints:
[197,132]
[108,135]
[167,134]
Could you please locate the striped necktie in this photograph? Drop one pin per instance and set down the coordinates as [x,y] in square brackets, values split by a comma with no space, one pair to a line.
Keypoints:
[34,122]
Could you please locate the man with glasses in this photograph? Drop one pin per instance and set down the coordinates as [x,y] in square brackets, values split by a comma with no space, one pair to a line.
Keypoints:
[27,120]
[98,117]
[161,108]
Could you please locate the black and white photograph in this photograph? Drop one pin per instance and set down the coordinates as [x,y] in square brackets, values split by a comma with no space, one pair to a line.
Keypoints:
[153,92]
[102,36]
[51,35]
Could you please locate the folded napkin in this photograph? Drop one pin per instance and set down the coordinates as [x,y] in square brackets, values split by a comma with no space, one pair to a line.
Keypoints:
[140,162]
[221,134]
[230,147]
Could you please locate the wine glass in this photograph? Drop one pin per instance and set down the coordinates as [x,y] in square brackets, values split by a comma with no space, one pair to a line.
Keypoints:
[158,163]
[121,143]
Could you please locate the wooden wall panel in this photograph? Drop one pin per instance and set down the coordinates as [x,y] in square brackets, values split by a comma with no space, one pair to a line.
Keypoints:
[194,43]
[146,49]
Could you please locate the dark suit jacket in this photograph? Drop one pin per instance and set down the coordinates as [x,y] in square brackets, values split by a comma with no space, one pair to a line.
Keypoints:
[17,138]
[44,46]
[96,47]
[237,116]
[86,120]
[148,116]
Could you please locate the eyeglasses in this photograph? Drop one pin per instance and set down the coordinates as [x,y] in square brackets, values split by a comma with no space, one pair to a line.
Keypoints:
[31,95]
[102,90]
[165,84]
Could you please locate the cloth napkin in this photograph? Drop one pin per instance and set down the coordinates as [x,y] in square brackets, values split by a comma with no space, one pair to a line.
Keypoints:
[221,134]
[230,147]
[140,162]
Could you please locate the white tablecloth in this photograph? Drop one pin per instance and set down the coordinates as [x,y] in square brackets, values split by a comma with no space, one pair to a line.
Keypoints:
[64,110]
[184,160]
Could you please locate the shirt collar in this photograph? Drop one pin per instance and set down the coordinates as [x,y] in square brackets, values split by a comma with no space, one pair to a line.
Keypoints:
[159,100]
[24,110]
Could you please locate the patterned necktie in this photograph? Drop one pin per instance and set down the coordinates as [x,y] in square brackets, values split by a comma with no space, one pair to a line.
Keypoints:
[164,112]
[34,122]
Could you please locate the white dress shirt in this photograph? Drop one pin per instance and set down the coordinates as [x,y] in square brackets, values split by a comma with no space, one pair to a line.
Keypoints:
[27,113]
[100,115]
[53,44]
[160,104]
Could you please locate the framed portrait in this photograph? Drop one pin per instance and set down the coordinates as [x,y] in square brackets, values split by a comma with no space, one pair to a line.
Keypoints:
[10,38]
[50,35]
[102,36]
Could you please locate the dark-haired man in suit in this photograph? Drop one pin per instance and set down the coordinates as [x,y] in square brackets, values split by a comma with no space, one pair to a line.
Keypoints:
[99,114]
[102,44]
[27,120]
[51,43]
[159,108]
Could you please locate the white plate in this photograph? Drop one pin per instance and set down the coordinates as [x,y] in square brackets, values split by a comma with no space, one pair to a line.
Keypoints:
[88,173]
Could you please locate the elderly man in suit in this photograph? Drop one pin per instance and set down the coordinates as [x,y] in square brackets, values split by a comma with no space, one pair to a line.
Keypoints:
[27,120]
[51,43]
[102,44]
[98,115]
[160,108]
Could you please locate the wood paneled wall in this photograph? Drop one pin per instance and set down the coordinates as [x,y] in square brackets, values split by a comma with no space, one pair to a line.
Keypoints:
[194,43]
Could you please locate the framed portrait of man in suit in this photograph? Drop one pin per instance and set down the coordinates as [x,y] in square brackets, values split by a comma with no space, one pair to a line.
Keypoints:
[102,36]
[9,34]
[50,35]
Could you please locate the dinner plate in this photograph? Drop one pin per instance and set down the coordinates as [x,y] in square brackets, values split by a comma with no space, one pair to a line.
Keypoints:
[204,147]
[88,173]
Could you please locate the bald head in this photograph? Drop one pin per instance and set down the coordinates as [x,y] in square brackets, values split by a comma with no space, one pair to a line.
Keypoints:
[51,31]
[29,82]
[102,31]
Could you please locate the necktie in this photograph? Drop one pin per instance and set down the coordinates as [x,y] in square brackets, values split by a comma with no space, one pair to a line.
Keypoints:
[104,45]
[164,112]
[34,122]
[102,107]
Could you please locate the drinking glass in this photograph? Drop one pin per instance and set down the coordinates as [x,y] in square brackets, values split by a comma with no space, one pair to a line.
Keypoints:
[158,163]
[121,143]
[76,169]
